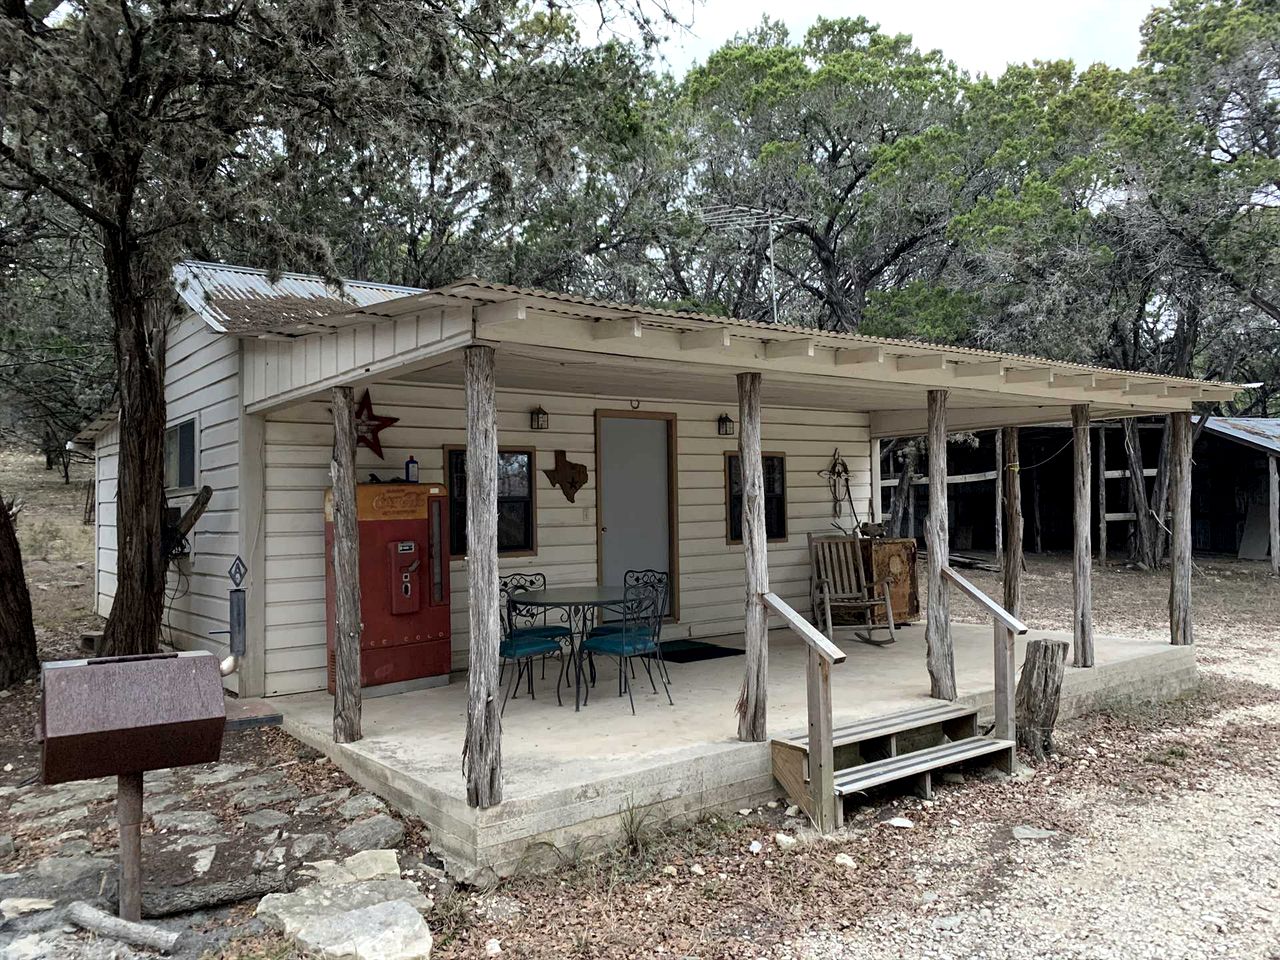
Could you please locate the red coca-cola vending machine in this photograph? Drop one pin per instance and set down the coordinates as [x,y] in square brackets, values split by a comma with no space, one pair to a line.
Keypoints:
[404,584]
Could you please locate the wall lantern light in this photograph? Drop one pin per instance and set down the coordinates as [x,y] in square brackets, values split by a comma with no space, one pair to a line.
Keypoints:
[724,425]
[538,419]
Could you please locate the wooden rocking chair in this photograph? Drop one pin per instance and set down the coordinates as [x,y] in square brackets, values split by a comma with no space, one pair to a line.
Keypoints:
[838,581]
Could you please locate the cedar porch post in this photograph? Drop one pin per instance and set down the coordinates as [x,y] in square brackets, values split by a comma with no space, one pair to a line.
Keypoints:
[939,655]
[1012,522]
[1011,490]
[1273,501]
[346,571]
[1081,578]
[999,499]
[1180,546]
[482,752]
[755,683]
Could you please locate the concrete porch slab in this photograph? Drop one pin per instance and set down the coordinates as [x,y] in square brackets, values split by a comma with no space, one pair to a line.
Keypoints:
[569,778]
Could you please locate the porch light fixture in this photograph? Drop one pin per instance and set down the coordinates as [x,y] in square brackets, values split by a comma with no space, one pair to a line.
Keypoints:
[538,419]
[724,425]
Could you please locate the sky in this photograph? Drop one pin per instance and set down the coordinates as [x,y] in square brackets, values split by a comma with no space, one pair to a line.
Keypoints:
[979,35]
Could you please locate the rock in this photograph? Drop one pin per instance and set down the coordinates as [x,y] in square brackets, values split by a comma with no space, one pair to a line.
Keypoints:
[186,821]
[220,773]
[385,931]
[500,909]
[311,846]
[359,806]
[266,819]
[156,802]
[929,896]
[68,871]
[901,823]
[203,860]
[73,847]
[784,841]
[844,860]
[669,871]
[63,796]
[289,911]
[379,831]
[756,846]
[1024,832]
[53,820]
[792,811]
[744,812]
[947,923]
[21,906]
[267,778]
[772,804]
[199,840]
[256,797]
[7,846]
[366,865]
[492,948]
[697,870]
[30,947]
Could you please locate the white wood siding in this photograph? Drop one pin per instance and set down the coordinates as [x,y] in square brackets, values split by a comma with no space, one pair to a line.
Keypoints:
[203,380]
[106,459]
[297,452]
[278,370]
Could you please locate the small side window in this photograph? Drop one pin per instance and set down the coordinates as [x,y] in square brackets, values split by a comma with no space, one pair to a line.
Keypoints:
[180,456]
[775,496]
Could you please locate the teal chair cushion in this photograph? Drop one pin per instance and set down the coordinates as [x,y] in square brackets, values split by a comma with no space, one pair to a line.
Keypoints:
[521,645]
[604,629]
[620,643]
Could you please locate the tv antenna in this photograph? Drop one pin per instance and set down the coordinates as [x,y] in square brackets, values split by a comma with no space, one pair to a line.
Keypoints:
[750,218]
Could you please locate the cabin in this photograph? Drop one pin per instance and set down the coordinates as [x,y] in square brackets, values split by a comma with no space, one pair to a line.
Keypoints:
[580,439]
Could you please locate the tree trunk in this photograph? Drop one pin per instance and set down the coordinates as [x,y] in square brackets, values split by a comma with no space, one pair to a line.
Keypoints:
[141,301]
[1140,505]
[1012,523]
[939,655]
[902,491]
[1039,694]
[999,489]
[18,659]
[1102,496]
[752,702]
[1273,511]
[1082,553]
[346,571]
[1180,547]
[482,752]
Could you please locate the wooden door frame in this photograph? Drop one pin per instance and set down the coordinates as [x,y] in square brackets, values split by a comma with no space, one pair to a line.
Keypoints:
[673,497]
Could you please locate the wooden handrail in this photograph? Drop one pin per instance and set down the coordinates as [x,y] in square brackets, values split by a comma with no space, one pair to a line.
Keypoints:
[805,630]
[1001,615]
[821,653]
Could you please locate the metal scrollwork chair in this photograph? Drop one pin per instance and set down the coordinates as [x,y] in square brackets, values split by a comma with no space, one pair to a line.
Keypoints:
[656,578]
[638,638]
[526,635]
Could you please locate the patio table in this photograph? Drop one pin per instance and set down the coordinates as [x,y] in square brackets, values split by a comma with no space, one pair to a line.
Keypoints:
[580,605]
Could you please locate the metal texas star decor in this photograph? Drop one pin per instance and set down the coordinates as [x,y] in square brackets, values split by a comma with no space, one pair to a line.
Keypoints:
[369,425]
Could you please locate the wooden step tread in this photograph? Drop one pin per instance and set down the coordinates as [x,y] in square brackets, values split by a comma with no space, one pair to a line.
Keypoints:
[868,775]
[883,726]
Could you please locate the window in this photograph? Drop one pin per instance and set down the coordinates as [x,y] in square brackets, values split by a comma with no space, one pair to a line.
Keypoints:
[180,456]
[515,501]
[775,496]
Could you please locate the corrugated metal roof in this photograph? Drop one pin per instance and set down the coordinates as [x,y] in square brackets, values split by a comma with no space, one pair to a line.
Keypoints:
[243,300]
[1257,432]
[475,289]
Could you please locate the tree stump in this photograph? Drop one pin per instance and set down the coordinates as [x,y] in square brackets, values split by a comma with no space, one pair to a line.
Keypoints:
[1039,692]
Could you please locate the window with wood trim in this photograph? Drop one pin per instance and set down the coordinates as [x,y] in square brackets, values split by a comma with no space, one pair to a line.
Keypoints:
[180,456]
[775,496]
[516,502]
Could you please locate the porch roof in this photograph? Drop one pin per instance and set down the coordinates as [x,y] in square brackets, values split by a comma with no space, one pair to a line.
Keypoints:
[557,342]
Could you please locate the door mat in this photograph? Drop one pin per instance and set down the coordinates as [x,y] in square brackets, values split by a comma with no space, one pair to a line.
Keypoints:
[691,651]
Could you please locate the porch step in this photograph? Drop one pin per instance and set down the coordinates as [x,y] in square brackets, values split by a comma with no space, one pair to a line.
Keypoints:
[867,775]
[873,728]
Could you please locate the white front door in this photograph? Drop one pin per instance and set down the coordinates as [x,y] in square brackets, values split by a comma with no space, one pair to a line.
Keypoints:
[634,487]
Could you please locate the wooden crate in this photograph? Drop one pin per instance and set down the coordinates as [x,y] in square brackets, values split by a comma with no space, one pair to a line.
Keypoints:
[895,559]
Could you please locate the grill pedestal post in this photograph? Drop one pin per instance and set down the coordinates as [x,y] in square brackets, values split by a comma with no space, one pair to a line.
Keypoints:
[129,819]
